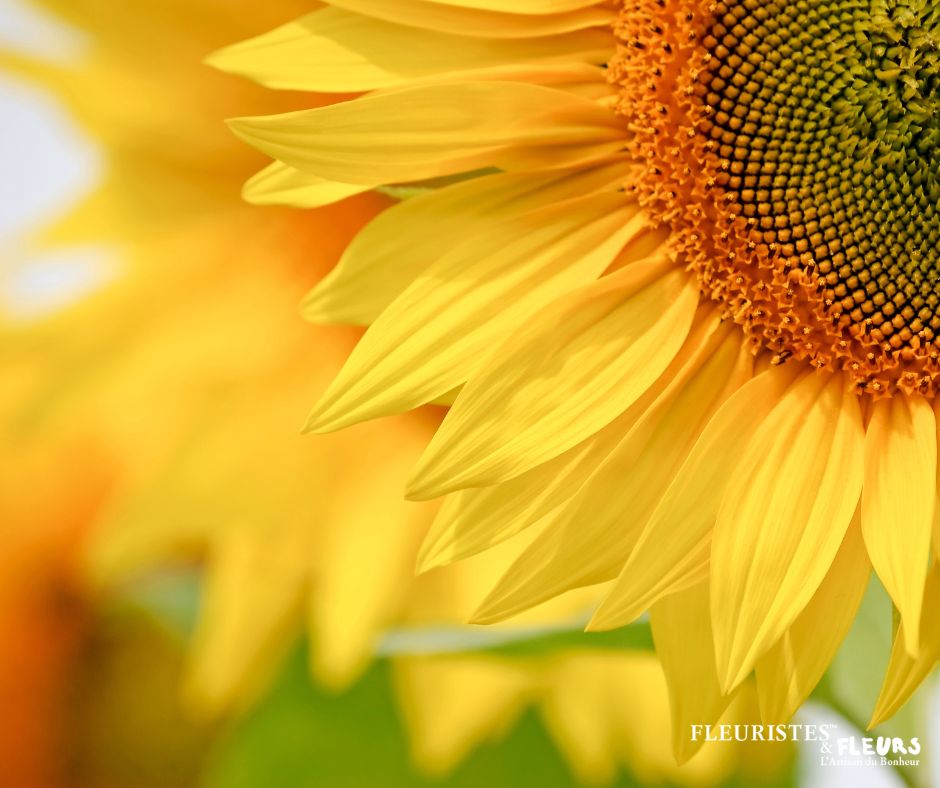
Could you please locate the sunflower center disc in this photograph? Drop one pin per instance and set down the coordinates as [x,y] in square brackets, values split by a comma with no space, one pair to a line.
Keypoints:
[805,174]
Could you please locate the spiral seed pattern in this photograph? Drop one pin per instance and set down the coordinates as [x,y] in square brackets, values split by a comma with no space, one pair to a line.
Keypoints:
[794,149]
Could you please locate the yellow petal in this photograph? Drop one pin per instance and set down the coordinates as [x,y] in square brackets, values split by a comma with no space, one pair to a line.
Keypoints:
[562,378]
[588,540]
[793,666]
[521,6]
[442,328]
[489,23]
[476,519]
[425,132]
[674,545]
[682,632]
[452,704]
[244,627]
[404,241]
[278,184]
[905,673]
[336,51]
[898,501]
[782,518]
[365,557]
[575,710]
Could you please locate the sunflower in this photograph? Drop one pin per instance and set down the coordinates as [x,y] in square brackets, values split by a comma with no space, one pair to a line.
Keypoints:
[675,264]
[185,372]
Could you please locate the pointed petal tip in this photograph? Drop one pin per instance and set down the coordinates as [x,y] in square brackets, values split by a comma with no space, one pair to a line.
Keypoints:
[246,128]
[331,415]
[483,618]
[252,192]
[423,486]
[731,675]
[490,611]
[601,621]
[311,306]
[683,750]
[217,59]
[607,617]
[912,639]
[319,306]
[595,626]
[431,556]
[317,422]
[885,709]
[335,676]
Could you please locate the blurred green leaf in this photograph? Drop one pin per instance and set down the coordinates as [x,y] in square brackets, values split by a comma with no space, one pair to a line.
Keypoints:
[302,737]
[508,641]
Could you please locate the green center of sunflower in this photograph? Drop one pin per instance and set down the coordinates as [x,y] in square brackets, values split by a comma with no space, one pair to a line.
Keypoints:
[825,118]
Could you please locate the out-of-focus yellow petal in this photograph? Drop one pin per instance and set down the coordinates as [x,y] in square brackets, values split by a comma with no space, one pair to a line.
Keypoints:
[605,708]
[576,711]
[898,501]
[245,625]
[365,563]
[452,704]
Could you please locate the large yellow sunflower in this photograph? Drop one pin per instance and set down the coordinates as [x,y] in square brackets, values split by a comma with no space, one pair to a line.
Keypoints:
[682,271]
[186,372]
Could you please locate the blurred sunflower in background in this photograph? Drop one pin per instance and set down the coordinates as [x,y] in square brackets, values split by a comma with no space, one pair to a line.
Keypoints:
[176,385]
[677,272]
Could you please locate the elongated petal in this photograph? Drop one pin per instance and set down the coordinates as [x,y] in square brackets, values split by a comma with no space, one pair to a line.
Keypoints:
[404,241]
[376,538]
[475,519]
[336,51]
[793,666]
[905,673]
[563,378]
[682,632]
[521,6]
[278,184]
[675,543]
[898,501]
[486,22]
[589,540]
[782,518]
[243,629]
[442,328]
[425,132]
[575,711]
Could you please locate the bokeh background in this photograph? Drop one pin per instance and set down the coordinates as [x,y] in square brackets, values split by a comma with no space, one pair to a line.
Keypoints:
[192,594]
